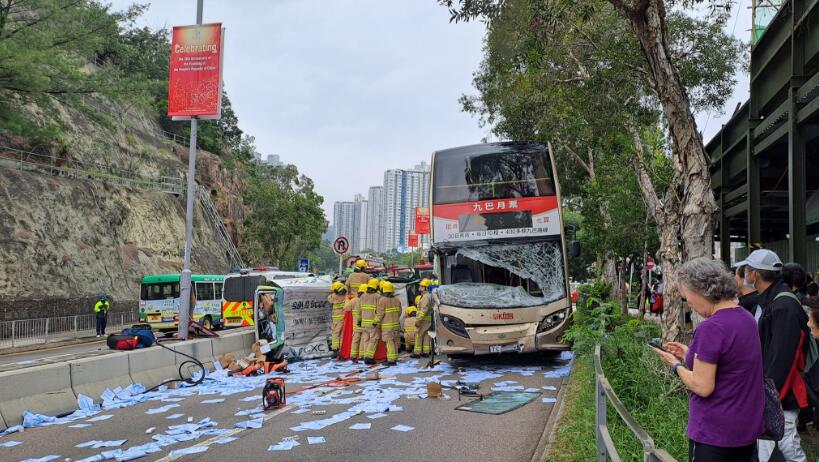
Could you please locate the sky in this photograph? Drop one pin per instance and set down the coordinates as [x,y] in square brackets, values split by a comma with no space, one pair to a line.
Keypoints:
[346,89]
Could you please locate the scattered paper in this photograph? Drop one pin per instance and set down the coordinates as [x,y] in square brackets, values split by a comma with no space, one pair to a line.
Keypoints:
[226,440]
[549,387]
[10,430]
[10,444]
[190,450]
[81,425]
[160,410]
[301,410]
[283,446]
[257,423]
[403,428]
[100,418]
[150,430]
[42,459]
[376,416]
[549,400]
[175,416]
[213,401]
[361,426]
[315,440]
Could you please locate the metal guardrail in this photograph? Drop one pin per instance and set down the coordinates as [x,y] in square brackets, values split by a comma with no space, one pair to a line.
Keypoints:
[26,332]
[53,165]
[604,394]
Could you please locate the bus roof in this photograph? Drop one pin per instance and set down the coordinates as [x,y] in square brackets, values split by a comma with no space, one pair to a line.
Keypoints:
[174,277]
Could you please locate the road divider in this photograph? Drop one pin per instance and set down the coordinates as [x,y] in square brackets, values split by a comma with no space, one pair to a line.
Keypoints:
[40,389]
[52,389]
[91,376]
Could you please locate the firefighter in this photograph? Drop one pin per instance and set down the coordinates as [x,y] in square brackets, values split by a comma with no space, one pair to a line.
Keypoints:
[388,314]
[423,342]
[337,299]
[358,277]
[371,333]
[409,325]
[354,305]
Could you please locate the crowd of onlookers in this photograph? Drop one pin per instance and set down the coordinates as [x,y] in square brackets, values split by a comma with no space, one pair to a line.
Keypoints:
[758,339]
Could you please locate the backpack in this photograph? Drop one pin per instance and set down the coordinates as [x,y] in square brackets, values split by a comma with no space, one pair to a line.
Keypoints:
[810,374]
[122,342]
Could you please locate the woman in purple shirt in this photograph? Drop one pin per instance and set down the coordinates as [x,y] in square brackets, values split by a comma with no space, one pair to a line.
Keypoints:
[722,367]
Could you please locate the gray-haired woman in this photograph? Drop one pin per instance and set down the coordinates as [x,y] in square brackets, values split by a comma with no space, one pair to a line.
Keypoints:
[722,367]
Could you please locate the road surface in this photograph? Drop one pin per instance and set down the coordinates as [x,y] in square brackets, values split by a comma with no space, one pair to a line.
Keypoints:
[438,431]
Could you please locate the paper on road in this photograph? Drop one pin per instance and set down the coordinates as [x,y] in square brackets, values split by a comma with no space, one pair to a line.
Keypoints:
[361,426]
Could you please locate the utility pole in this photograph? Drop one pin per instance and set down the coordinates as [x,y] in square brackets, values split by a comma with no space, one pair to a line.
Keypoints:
[185,281]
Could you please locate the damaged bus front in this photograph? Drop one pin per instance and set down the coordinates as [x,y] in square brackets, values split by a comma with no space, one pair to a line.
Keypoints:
[499,245]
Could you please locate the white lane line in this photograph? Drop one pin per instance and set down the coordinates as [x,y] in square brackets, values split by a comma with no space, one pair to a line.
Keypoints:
[232,432]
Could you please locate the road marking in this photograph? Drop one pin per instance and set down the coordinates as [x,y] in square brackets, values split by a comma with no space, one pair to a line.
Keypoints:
[232,432]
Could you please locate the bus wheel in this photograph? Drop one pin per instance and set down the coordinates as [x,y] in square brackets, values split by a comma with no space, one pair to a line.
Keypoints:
[208,323]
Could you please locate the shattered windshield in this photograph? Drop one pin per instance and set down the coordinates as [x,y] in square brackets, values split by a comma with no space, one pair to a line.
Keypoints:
[505,275]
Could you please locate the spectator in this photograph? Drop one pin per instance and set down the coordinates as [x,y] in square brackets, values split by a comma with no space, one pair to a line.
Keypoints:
[748,297]
[722,367]
[813,318]
[784,333]
[657,291]
[794,276]
[813,289]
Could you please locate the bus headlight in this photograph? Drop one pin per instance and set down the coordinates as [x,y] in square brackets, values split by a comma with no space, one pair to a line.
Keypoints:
[552,320]
[455,325]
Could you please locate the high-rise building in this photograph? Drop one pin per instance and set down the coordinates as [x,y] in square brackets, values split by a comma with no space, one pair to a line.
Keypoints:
[404,190]
[347,221]
[362,208]
[375,219]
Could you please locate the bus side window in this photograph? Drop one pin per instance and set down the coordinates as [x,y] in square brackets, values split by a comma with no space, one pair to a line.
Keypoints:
[217,290]
[204,291]
[168,292]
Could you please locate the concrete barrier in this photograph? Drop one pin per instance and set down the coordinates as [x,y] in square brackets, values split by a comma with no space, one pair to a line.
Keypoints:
[91,376]
[201,349]
[152,366]
[39,389]
[237,343]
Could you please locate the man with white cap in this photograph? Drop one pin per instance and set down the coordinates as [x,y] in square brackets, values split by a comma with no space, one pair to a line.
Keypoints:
[784,335]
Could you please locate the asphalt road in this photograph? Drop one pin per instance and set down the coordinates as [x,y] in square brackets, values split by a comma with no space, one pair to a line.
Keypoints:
[50,354]
[439,431]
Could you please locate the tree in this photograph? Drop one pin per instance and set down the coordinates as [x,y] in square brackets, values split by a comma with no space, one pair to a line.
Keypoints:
[47,45]
[574,72]
[285,220]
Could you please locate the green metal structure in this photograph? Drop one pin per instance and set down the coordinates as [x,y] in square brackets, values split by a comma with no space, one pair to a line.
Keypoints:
[765,159]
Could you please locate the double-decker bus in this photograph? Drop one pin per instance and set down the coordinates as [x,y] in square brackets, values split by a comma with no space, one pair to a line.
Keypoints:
[499,248]
[159,300]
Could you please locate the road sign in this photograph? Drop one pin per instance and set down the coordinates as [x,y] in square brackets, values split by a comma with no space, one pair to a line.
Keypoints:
[341,245]
[304,265]
[650,265]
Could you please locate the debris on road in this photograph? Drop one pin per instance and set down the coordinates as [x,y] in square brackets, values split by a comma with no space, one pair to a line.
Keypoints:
[361,426]
[10,444]
[403,428]
[316,440]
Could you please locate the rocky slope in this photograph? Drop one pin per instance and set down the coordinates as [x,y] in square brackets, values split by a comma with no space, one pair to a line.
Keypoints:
[63,237]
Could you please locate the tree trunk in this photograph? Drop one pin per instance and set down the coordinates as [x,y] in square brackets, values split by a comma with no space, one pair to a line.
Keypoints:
[685,218]
[641,297]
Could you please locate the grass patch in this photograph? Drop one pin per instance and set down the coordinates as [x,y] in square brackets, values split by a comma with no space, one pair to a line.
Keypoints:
[574,431]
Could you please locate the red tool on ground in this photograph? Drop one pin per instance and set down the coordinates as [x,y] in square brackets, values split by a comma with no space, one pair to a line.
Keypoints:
[274,394]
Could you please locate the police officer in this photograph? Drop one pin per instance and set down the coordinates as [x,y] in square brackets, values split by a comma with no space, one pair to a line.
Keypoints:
[101,314]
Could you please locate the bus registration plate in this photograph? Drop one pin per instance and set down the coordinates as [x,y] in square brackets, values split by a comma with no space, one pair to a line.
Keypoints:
[495,348]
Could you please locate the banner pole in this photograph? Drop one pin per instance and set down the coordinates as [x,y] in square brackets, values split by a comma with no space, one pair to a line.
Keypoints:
[185,308]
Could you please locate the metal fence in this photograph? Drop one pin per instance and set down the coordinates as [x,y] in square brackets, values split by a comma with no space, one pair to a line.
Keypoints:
[53,165]
[604,394]
[24,332]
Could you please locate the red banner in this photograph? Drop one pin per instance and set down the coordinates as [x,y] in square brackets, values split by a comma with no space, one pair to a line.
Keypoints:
[412,240]
[195,82]
[422,220]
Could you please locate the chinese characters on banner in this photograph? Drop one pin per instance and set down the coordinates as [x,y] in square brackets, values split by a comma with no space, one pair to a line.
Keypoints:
[195,81]
[412,240]
[422,220]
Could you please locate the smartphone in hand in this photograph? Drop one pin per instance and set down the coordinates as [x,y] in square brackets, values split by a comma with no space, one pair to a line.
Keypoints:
[658,344]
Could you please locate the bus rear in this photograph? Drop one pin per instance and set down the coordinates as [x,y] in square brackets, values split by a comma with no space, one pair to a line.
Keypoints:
[239,290]
[499,247]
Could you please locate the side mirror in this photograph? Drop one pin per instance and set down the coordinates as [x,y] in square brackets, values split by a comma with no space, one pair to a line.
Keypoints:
[574,249]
